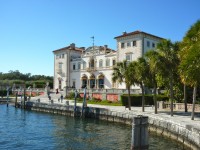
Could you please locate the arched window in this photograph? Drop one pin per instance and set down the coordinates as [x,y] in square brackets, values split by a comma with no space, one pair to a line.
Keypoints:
[101,81]
[92,81]
[84,81]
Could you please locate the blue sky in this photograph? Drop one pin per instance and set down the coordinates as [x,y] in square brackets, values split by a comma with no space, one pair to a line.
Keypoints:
[31,29]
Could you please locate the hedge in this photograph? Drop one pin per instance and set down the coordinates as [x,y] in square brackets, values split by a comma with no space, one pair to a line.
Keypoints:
[136,100]
[3,93]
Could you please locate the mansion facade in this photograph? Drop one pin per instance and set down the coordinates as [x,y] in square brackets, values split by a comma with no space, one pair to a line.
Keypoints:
[91,67]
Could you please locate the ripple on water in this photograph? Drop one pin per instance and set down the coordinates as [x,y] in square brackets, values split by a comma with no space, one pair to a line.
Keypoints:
[21,129]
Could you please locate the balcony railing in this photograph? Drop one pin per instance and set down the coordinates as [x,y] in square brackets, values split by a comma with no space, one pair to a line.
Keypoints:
[91,69]
[59,71]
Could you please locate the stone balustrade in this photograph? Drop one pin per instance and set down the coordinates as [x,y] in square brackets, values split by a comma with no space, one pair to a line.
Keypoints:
[177,106]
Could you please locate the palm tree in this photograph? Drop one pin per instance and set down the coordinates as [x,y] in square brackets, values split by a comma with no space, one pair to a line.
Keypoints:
[190,70]
[185,97]
[124,72]
[141,75]
[153,61]
[190,57]
[168,63]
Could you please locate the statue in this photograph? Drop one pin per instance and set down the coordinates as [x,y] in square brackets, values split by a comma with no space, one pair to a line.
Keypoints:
[47,89]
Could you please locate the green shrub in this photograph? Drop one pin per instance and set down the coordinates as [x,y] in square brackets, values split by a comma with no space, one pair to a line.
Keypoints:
[3,93]
[136,100]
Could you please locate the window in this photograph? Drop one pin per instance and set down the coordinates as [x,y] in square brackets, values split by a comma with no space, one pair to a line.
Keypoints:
[128,58]
[74,66]
[60,65]
[59,70]
[63,55]
[153,45]
[92,83]
[128,44]
[57,56]
[100,63]
[73,84]
[134,43]
[148,44]
[92,63]
[79,66]
[107,62]
[84,65]
[122,45]
[114,62]
[101,83]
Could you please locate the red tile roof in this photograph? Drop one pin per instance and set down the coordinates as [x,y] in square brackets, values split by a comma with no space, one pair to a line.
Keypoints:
[135,33]
[69,48]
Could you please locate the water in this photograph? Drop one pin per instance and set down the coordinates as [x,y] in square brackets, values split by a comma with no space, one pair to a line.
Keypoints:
[28,130]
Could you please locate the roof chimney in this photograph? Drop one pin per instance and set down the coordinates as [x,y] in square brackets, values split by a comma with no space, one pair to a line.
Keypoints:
[72,46]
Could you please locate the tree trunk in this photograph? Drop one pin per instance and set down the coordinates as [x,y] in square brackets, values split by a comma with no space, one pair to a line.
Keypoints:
[129,98]
[171,95]
[194,101]
[143,100]
[185,97]
[155,97]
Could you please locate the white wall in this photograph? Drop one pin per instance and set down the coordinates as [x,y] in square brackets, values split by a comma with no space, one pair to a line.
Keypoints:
[135,51]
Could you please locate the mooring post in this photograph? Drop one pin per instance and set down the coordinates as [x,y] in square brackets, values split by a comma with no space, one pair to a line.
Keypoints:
[24,97]
[84,101]
[140,137]
[16,99]
[7,94]
[75,96]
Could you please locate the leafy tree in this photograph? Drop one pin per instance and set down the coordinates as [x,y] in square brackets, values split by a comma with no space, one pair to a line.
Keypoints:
[18,78]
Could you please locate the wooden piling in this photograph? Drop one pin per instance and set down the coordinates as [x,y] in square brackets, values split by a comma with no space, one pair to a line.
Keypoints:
[140,135]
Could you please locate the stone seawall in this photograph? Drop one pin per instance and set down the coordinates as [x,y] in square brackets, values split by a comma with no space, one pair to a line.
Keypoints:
[184,133]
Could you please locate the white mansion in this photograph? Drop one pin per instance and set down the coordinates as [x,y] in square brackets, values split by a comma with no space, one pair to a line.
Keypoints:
[92,67]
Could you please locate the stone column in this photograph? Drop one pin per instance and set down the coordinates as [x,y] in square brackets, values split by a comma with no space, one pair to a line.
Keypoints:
[140,135]
[97,84]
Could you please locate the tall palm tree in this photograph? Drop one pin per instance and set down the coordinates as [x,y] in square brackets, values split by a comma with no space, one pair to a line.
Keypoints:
[141,75]
[190,57]
[169,63]
[124,72]
[152,58]
[185,97]
[190,70]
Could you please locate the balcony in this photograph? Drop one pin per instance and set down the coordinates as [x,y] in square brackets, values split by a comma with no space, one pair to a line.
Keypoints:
[59,71]
[91,69]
